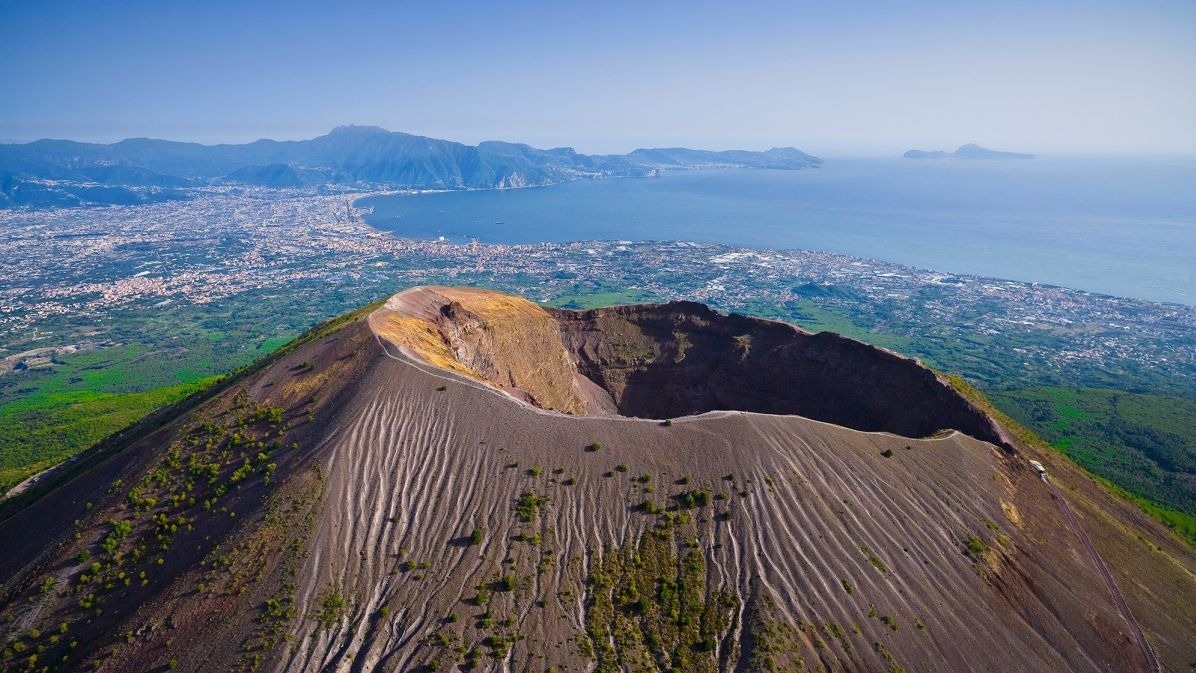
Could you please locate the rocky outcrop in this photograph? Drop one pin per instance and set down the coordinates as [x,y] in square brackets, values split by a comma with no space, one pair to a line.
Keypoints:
[504,340]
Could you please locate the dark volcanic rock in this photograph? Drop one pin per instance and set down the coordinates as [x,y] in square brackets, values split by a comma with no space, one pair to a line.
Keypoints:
[680,359]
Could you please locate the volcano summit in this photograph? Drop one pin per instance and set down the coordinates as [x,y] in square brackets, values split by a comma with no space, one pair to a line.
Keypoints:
[459,479]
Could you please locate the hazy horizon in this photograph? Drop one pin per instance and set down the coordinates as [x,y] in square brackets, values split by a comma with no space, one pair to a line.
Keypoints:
[847,80]
[833,153]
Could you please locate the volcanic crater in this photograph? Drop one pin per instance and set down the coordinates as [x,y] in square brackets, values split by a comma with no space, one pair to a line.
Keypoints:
[663,361]
[460,479]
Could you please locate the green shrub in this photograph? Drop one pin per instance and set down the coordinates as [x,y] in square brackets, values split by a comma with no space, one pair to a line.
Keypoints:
[875,560]
[975,547]
[650,507]
[332,608]
[528,505]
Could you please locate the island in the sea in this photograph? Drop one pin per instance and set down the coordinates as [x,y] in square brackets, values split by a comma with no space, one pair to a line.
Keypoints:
[969,151]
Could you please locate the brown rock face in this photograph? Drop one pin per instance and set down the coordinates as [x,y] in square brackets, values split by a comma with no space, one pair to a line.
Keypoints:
[682,358]
[504,340]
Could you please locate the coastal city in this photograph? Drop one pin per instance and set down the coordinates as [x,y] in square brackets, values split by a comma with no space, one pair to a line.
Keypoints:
[315,256]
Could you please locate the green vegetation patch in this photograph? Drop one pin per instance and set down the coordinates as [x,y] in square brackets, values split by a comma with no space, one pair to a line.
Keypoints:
[43,429]
[875,560]
[650,608]
[600,295]
[527,506]
[1144,443]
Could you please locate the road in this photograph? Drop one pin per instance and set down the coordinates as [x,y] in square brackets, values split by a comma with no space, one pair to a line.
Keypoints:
[1118,597]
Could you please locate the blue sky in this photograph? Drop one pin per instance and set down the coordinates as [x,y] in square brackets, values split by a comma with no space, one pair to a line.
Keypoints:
[829,77]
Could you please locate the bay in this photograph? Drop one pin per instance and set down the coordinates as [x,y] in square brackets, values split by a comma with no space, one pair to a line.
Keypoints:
[1125,227]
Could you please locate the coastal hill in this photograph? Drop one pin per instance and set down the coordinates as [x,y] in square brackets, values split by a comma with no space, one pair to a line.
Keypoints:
[968,151]
[64,173]
[458,479]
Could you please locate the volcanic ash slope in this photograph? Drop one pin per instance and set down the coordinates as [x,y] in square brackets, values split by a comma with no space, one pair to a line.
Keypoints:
[461,480]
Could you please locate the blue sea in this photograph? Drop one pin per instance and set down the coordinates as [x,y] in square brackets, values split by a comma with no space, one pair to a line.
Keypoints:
[1125,227]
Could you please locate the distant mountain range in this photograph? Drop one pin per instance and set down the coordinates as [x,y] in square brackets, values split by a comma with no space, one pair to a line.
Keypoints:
[968,151]
[49,173]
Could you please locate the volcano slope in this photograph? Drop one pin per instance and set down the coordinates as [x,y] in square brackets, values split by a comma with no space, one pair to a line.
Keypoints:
[463,480]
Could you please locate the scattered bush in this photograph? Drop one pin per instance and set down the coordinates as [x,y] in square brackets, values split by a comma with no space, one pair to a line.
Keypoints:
[332,608]
[527,507]
[693,499]
[975,547]
[875,560]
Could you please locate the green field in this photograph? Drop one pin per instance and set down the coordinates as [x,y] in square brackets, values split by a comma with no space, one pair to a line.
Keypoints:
[49,413]
[1145,444]
[39,431]
[601,297]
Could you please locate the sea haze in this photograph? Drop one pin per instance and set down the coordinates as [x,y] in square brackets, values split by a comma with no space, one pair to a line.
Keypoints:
[1125,227]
